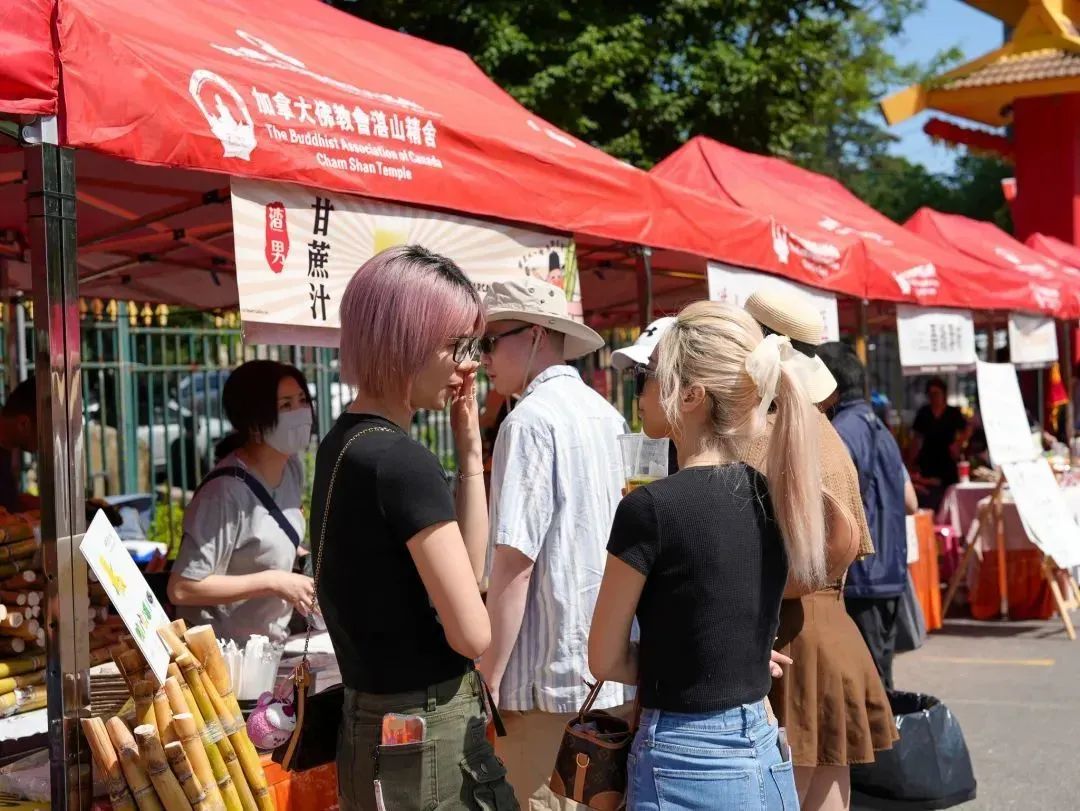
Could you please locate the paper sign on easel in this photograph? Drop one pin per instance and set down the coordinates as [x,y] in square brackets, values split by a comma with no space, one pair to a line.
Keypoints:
[127,589]
[1046,516]
[1003,416]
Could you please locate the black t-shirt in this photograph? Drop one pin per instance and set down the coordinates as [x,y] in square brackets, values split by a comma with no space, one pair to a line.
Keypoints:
[385,631]
[938,435]
[709,546]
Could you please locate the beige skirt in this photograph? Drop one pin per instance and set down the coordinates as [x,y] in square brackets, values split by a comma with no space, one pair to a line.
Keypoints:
[831,700]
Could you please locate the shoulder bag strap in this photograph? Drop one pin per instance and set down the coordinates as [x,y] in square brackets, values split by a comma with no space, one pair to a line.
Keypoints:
[322,528]
[260,492]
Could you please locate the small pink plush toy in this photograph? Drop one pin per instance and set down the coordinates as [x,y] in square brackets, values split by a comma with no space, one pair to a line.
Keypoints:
[272,722]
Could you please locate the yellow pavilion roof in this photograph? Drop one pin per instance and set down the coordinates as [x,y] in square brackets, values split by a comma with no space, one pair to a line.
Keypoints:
[1041,59]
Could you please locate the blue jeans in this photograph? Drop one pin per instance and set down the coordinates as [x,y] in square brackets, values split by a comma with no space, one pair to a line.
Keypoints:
[723,761]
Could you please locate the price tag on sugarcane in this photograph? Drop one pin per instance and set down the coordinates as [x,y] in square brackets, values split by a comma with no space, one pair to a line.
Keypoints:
[128,591]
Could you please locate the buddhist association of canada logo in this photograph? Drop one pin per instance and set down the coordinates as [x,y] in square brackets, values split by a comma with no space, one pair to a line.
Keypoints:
[225,112]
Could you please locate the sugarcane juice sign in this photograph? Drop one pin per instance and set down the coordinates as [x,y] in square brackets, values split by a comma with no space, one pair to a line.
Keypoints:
[127,589]
[297,248]
[934,339]
[734,286]
[1004,419]
[1044,512]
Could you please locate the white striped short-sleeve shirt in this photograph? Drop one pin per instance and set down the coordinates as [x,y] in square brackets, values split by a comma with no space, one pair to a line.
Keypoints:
[556,482]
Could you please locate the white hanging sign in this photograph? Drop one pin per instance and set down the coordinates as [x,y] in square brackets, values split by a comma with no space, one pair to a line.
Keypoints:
[1047,518]
[735,285]
[1032,341]
[934,339]
[1004,419]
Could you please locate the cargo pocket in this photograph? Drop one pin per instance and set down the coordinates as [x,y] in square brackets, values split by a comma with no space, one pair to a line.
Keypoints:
[485,782]
[406,778]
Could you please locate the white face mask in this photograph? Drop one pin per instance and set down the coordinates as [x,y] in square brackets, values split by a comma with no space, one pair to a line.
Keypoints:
[292,433]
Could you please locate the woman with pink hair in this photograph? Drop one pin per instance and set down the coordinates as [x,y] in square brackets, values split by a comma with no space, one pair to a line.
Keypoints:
[398,555]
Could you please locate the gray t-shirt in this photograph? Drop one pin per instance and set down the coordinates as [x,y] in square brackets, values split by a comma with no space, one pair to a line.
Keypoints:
[228,531]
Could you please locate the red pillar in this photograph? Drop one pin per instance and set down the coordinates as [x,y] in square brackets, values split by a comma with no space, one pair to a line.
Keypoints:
[1046,132]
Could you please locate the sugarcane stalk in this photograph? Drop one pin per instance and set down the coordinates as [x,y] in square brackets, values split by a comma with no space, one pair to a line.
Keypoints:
[220,792]
[181,768]
[21,699]
[130,761]
[172,640]
[21,664]
[143,693]
[204,645]
[157,767]
[12,683]
[193,678]
[163,718]
[109,764]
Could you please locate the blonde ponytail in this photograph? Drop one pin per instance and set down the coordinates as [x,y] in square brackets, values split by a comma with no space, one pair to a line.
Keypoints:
[794,466]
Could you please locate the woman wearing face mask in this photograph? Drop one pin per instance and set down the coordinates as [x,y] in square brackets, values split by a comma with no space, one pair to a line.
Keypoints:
[243,527]
[398,554]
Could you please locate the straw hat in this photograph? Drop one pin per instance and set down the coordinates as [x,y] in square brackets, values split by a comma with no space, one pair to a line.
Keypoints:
[639,352]
[788,312]
[535,302]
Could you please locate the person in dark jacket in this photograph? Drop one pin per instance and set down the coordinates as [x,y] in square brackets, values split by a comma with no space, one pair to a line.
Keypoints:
[875,584]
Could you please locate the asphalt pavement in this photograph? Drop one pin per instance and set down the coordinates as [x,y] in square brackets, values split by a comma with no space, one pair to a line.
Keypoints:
[1015,688]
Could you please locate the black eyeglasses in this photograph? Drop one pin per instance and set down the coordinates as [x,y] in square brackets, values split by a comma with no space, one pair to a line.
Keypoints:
[467,348]
[642,374]
[487,343]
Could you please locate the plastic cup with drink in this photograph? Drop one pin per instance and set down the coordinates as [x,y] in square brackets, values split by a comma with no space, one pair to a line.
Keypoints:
[644,460]
[963,471]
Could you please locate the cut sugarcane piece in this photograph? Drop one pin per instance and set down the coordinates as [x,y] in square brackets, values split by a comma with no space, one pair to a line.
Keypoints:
[157,767]
[109,763]
[181,768]
[141,787]
[12,683]
[163,717]
[218,796]
[143,693]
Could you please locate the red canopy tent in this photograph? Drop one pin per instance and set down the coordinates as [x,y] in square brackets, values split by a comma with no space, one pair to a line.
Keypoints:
[1022,272]
[903,267]
[297,91]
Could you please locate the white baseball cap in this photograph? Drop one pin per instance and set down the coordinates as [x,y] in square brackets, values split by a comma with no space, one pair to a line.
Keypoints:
[641,350]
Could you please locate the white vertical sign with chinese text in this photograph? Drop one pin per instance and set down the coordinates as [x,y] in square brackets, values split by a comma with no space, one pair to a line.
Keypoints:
[1003,416]
[297,248]
[128,591]
[934,339]
[1032,341]
[735,285]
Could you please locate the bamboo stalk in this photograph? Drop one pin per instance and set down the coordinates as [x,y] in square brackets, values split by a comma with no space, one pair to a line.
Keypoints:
[130,761]
[218,796]
[11,683]
[22,664]
[214,732]
[189,782]
[163,718]
[143,693]
[157,767]
[109,764]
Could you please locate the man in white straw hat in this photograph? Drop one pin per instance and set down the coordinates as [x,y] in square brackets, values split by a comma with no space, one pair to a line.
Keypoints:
[555,484]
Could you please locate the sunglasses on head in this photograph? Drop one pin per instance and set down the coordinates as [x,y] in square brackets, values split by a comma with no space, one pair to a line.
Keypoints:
[642,373]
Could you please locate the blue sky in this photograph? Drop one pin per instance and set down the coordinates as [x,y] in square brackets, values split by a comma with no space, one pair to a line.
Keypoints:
[944,24]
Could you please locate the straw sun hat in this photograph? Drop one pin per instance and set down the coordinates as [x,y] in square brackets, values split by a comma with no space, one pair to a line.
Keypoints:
[788,312]
[532,301]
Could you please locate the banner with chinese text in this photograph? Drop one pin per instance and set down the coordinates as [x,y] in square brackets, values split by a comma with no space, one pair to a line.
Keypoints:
[934,340]
[297,249]
[1032,341]
[735,285]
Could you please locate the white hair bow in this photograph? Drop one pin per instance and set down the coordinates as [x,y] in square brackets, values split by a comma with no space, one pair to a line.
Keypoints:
[764,366]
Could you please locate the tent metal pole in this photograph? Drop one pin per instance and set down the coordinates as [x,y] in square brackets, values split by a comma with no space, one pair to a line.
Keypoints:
[51,209]
[645,286]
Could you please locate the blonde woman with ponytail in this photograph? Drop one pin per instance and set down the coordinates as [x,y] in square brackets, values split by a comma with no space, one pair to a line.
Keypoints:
[702,558]
[830,701]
